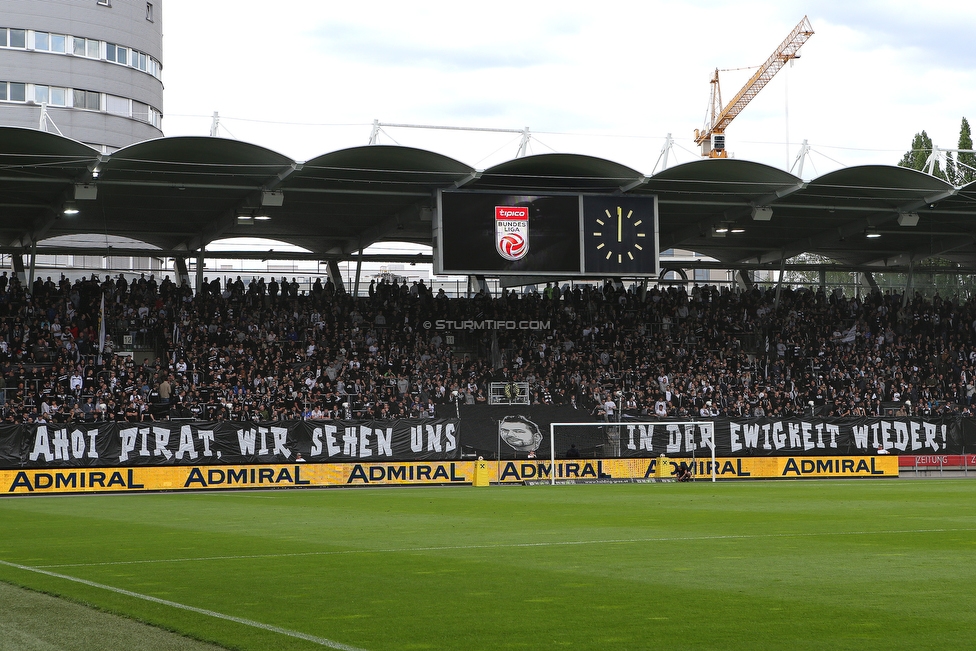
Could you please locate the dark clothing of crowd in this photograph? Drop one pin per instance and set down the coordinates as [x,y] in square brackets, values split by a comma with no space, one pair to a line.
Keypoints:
[268,351]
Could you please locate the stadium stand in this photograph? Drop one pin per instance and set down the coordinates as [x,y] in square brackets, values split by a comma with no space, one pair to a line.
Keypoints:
[266,351]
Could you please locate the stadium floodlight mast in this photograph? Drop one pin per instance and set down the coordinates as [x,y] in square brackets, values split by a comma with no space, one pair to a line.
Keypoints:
[707,427]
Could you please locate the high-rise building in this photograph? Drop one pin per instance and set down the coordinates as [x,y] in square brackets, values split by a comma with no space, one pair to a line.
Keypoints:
[88,69]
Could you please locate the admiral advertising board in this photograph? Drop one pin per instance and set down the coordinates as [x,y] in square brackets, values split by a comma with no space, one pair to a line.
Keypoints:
[414,473]
[544,234]
[259,476]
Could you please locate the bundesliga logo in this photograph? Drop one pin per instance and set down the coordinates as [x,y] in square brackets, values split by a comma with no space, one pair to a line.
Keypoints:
[512,231]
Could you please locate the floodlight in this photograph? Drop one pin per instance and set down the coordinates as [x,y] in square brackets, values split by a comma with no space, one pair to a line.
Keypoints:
[762,214]
[272,198]
[908,219]
[85,191]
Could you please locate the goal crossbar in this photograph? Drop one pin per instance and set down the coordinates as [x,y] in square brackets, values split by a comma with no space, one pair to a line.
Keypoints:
[704,424]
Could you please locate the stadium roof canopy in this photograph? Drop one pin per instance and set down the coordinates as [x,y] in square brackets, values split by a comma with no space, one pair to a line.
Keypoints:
[179,194]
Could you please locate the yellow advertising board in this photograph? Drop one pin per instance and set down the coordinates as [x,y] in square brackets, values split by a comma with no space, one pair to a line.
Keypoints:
[166,478]
[609,470]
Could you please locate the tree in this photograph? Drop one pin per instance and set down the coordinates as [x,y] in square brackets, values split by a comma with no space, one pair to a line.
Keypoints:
[965,160]
[919,155]
[951,168]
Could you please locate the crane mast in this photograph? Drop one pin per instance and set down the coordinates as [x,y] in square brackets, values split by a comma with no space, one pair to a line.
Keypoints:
[712,136]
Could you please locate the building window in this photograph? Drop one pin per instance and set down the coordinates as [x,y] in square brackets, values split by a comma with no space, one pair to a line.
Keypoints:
[140,111]
[50,95]
[117,53]
[18,38]
[140,61]
[17,92]
[117,105]
[85,47]
[81,47]
[149,12]
[80,99]
[701,275]
[86,99]
[13,38]
[45,42]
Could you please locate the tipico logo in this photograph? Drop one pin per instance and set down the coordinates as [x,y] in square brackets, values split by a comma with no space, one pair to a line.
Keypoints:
[512,231]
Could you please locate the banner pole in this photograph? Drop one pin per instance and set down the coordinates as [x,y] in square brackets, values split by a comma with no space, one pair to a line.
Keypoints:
[552,454]
[498,455]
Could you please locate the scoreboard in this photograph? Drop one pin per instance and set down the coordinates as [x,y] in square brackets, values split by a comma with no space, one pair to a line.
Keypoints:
[495,233]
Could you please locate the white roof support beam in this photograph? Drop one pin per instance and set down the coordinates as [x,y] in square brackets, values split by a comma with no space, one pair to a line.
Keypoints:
[702,227]
[378,231]
[851,228]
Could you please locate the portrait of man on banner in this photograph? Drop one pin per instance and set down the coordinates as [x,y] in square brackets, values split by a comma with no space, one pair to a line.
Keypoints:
[520,433]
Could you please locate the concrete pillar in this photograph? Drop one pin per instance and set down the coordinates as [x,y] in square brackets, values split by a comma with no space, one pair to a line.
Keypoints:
[182,273]
[336,276]
[199,273]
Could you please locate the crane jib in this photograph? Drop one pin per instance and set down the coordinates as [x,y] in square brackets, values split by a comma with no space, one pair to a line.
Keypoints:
[786,51]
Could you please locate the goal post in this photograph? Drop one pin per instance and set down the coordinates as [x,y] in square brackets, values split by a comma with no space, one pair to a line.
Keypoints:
[601,440]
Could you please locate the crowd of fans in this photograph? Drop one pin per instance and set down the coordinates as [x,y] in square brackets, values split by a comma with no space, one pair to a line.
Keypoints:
[267,351]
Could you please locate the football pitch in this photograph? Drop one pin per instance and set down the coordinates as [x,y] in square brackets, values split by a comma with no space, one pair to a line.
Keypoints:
[843,564]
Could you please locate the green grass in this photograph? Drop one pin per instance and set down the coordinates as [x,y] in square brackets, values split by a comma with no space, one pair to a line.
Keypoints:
[763,565]
[31,621]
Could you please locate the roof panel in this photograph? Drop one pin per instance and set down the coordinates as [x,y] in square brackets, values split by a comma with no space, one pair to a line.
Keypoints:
[380,167]
[180,191]
[558,172]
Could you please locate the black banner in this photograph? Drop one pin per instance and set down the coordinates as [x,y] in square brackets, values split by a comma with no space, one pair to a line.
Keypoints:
[792,437]
[511,431]
[207,443]
[514,432]
[487,434]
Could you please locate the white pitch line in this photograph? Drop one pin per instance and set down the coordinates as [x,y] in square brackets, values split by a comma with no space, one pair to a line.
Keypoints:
[332,644]
[611,541]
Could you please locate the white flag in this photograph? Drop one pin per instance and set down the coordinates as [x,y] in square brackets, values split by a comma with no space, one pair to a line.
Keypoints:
[850,335]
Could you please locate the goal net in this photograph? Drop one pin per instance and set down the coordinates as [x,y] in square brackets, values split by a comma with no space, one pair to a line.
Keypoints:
[692,442]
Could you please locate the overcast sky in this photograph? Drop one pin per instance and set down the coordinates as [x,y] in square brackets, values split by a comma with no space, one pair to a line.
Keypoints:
[608,79]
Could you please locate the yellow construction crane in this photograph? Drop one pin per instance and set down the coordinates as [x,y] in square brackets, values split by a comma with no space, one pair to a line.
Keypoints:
[712,136]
